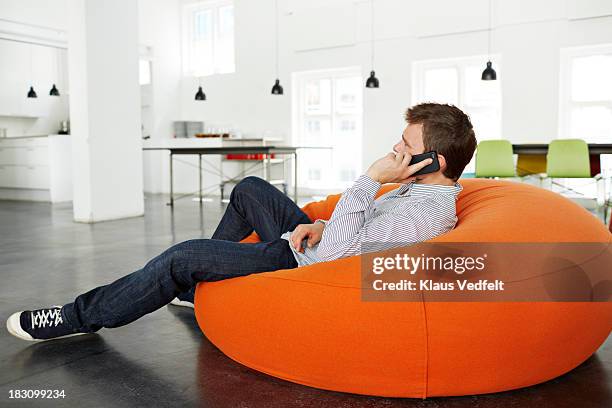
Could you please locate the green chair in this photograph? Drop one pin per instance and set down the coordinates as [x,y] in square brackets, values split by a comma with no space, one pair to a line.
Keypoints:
[568,158]
[494,159]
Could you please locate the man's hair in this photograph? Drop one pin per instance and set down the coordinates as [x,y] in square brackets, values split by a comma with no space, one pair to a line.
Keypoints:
[447,130]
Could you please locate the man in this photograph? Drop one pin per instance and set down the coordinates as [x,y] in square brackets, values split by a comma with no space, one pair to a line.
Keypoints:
[422,208]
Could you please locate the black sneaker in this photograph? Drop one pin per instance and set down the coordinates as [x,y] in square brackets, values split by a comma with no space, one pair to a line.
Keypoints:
[39,325]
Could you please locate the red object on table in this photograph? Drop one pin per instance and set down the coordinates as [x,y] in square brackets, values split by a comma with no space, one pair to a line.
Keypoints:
[240,156]
[249,156]
[595,163]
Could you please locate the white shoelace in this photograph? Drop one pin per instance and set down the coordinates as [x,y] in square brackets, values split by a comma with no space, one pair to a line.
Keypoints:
[46,317]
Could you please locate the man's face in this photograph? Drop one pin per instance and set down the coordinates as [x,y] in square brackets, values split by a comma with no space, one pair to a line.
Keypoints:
[411,140]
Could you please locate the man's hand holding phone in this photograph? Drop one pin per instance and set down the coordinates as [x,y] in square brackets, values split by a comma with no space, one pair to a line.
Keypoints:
[395,168]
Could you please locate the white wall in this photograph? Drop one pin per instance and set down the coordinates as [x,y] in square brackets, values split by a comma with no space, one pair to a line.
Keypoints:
[527,34]
[35,21]
[159,28]
[48,13]
[105,110]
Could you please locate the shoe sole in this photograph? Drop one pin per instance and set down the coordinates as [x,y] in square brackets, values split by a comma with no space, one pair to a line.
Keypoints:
[13,325]
[184,303]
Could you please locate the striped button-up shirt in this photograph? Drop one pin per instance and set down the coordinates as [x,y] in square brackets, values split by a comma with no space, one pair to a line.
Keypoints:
[409,214]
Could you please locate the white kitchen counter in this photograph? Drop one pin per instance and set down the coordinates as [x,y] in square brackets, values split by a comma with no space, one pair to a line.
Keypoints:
[36,168]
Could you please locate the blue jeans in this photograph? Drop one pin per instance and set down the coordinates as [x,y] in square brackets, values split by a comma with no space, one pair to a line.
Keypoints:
[254,205]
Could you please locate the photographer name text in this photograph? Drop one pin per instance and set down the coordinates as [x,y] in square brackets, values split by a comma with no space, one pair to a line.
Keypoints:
[430,285]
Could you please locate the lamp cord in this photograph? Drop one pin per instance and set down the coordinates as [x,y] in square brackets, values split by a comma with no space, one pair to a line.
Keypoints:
[276,34]
[31,67]
[372,33]
[56,65]
[490,25]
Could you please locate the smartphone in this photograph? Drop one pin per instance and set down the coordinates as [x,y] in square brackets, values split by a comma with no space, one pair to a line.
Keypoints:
[430,168]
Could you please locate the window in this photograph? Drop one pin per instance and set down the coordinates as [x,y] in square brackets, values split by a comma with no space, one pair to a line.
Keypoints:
[144,72]
[208,37]
[586,94]
[585,104]
[457,82]
[328,116]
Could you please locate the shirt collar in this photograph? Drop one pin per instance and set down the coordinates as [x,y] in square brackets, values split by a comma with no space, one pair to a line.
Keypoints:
[418,190]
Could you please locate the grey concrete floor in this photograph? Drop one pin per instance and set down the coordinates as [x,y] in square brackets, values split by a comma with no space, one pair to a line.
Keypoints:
[163,359]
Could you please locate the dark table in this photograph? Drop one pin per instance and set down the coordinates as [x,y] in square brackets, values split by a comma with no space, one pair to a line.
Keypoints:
[541,149]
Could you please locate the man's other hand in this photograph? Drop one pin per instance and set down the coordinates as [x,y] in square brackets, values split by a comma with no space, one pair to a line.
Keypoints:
[311,231]
[394,168]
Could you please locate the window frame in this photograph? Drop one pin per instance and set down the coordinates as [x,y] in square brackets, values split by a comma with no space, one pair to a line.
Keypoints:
[189,8]
[566,104]
[300,114]
[460,63]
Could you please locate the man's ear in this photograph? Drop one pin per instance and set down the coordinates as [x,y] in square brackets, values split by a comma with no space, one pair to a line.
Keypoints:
[442,161]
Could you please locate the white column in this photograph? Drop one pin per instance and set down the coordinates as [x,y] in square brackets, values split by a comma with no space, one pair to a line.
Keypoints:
[105,109]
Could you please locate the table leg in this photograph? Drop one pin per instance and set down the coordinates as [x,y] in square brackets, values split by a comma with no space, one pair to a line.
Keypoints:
[264,168]
[200,177]
[171,203]
[295,178]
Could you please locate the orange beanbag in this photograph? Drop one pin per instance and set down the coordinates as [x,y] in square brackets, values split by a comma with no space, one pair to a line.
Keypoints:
[308,325]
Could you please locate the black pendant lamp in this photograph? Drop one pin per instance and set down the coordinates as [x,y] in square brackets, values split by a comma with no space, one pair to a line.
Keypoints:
[200,95]
[277,89]
[54,91]
[489,73]
[372,81]
[32,93]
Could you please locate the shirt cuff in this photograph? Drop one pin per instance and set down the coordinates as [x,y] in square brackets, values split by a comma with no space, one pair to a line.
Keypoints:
[365,183]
